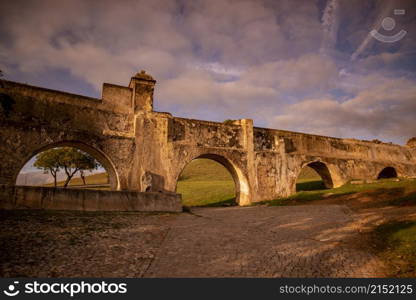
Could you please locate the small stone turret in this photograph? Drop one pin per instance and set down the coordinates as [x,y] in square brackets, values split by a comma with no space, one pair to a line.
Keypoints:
[143,86]
[411,143]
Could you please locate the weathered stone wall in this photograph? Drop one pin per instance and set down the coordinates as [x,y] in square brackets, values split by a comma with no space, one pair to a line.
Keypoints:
[267,162]
[145,150]
[168,144]
[32,120]
[282,154]
[118,97]
[29,197]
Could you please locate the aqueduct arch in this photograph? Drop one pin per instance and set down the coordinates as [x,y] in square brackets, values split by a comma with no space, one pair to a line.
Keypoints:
[323,171]
[387,172]
[104,160]
[242,188]
[329,172]
[146,150]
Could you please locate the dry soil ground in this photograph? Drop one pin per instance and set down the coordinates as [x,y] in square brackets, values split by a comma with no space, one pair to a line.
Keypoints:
[291,241]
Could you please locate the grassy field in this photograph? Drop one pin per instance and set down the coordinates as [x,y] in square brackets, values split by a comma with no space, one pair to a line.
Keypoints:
[205,182]
[309,180]
[397,247]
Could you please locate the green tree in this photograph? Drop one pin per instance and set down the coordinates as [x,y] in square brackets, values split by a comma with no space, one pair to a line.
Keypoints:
[48,161]
[69,159]
[86,163]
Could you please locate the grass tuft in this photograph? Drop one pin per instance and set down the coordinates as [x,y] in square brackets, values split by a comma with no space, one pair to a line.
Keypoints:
[397,247]
[383,186]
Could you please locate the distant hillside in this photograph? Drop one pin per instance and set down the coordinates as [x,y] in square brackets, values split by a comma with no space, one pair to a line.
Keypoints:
[308,173]
[99,178]
[206,182]
[39,178]
[205,169]
[36,178]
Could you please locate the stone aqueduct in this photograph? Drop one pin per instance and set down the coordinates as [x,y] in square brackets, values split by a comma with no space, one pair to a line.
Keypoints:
[144,150]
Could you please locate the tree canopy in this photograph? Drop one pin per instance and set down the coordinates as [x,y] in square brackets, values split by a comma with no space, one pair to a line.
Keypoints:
[68,159]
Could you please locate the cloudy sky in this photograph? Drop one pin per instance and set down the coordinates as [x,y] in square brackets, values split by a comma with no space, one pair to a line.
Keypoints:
[308,66]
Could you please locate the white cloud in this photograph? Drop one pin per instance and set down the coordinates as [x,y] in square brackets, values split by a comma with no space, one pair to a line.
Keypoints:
[309,72]
[385,108]
[256,59]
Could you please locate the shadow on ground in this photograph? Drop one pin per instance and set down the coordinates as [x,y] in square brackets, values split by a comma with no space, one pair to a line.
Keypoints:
[310,186]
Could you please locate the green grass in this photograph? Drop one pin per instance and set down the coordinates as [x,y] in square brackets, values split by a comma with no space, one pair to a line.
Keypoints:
[309,185]
[203,169]
[397,246]
[309,180]
[304,196]
[205,182]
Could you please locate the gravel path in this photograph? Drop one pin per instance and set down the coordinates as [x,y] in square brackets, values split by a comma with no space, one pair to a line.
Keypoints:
[294,241]
[290,241]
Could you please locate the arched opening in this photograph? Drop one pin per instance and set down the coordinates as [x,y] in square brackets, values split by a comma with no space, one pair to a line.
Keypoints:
[68,164]
[211,180]
[314,176]
[388,172]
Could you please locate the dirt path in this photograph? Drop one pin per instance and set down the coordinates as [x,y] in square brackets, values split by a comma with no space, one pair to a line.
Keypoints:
[291,241]
[297,241]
